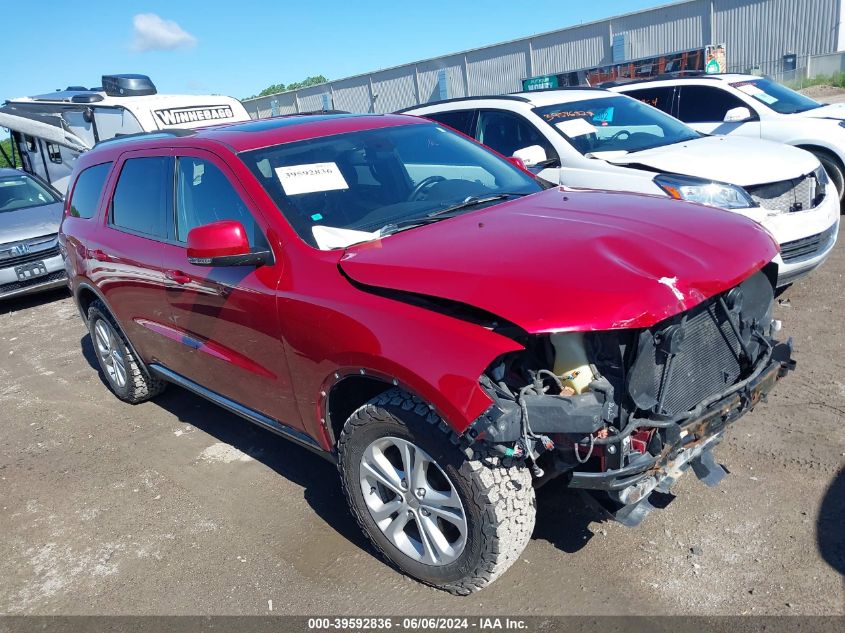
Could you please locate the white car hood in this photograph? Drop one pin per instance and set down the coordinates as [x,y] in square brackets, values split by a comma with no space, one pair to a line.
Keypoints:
[736,160]
[830,111]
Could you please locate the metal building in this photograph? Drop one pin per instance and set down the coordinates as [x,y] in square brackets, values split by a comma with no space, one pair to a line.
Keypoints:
[762,36]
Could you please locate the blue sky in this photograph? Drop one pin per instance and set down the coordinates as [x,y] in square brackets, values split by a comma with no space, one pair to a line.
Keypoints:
[240,47]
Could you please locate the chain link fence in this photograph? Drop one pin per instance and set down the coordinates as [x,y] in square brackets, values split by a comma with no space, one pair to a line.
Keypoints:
[801,71]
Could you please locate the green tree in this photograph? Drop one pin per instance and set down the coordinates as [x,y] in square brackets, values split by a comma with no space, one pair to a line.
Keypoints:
[8,150]
[277,88]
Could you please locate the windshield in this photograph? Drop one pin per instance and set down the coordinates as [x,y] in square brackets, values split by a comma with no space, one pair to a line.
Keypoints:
[614,124]
[21,192]
[777,96]
[350,187]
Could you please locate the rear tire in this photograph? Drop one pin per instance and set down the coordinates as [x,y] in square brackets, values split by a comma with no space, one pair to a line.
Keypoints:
[123,372]
[458,521]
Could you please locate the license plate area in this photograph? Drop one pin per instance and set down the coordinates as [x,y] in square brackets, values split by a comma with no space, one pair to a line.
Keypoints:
[26,272]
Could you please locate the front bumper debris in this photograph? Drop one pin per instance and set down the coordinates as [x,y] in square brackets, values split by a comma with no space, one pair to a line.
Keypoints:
[631,486]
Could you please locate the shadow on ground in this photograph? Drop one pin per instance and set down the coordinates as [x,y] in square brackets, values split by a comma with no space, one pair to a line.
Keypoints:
[562,517]
[830,524]
[25,302]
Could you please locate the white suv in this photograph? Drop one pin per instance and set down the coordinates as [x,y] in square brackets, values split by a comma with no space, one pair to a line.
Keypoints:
[598,139]
[748,105]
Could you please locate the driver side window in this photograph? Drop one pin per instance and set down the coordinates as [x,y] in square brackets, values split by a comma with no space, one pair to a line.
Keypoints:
[507,132]
[704,104]
[204,195]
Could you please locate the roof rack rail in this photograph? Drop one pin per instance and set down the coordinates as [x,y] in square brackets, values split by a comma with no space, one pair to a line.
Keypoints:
[511,97]
[681,74]
[177,132]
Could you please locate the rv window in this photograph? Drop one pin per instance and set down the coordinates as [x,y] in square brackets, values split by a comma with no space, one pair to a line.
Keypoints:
[31,144]
[78,124]
[87,191]
[112,122]
[54,152]
[143,195]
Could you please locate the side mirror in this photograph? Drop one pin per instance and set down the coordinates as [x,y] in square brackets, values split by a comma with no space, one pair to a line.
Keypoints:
[737,115]
[223,243]
[516,162]
[531,155]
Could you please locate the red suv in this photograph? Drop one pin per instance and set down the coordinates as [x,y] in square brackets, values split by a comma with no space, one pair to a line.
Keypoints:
[403,301]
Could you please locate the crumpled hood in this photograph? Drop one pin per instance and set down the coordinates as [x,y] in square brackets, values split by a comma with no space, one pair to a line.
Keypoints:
[571,261]
[829,111]
[736,160]
[24,224]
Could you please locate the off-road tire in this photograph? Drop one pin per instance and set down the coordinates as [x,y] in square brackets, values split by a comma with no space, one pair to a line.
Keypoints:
[496,492]
[140,385]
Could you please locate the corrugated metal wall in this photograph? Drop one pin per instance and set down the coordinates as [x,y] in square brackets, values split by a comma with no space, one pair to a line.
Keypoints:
[453,66]
[588,45]
[394,89]
[761,31]
[757,32]
[498,70]
[352,95]
[673,28]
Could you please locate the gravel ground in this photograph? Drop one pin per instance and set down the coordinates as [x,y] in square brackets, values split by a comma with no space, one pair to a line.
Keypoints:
[176,507]
[824,93]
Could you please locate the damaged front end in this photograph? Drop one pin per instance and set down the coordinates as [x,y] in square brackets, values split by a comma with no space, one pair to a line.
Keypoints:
[623,413]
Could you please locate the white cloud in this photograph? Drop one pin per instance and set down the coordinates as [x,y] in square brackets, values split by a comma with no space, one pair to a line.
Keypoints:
[153,33]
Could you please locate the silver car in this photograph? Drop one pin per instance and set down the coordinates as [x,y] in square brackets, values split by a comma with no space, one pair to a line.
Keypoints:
[30,213]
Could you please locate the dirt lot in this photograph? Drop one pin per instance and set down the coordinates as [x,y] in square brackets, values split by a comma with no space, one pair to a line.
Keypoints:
[176,507]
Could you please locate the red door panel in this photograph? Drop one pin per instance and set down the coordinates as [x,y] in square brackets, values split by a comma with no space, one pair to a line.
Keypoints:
[230,341]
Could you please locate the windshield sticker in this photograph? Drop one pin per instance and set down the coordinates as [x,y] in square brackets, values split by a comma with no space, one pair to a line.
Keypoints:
[311,178]
[575,127]
[551,117]
[749,89]
[605,116]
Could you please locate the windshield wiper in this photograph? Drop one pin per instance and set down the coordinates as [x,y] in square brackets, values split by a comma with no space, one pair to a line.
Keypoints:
[443,214]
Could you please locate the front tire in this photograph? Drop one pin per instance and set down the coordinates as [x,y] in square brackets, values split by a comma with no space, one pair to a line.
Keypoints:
[834,171]
[449,520]
[123,372]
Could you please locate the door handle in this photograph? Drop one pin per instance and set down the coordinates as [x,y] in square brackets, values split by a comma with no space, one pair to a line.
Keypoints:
[178,276]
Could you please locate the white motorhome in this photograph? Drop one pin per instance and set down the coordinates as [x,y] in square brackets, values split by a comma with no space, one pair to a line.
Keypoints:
[51,130]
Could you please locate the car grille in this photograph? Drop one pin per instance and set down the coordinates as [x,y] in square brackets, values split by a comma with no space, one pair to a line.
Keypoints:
[38,249]
[806,247]
[787,196]
[34,281]
[709,357]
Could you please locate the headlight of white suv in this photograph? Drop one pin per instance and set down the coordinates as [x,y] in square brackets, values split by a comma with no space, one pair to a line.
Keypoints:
[713,194]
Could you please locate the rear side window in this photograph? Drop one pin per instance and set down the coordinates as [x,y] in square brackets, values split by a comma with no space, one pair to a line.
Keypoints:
[660,98]
[461,120]
[87,191]
[702,104]
[143,194]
